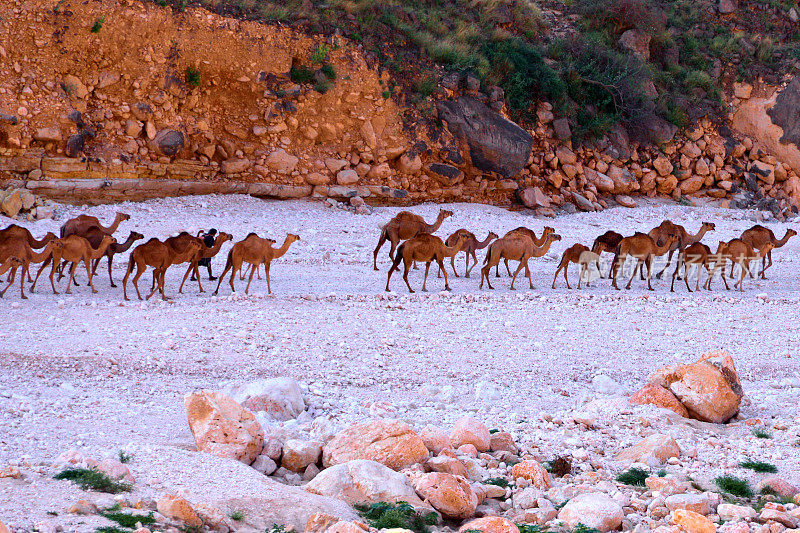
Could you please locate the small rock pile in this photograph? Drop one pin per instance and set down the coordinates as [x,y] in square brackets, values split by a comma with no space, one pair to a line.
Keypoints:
[15,202]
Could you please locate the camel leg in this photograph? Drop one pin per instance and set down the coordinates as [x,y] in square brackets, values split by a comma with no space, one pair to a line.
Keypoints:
[615,271]
[669,261]
[633,275]
[266,272]
[186,275]
[250,279]
[485,272]
[649,263]
[71,277]
[725,281]
[507,269]
[110,277]
[497,270]
[395,266]
[378,249]
[46,262]
[157,276]
[453,263]
[25,274]
[555,276]
[12,275]
[765,267]
[474,262]
[406,268]
[89,272]
[230,281]
[742,272]
[228,267]
[425,280]
[197,273]
[446,284]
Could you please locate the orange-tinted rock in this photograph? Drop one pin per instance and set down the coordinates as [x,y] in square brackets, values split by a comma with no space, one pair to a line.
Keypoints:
[178,508]
[660,396]
[435,439]
[503,441]
[490,524]
[533,472]
[450,495]
[692,522]
[389,442]
[468,430]
[595,509]
[222,427]
[662,447]
[709,389]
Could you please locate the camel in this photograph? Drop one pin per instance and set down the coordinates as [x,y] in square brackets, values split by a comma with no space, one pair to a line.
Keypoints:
[82,223]
[661,232]
[739,252]
[180,242]
[537,241]
[256,251]
[75,249]
[406,225]
[517,246]
[94,236]
[581,255]
[644,248]
[425,248]
[21,250]
[607,242]
[13,231]
[158,255]
[472,245]
[759,237]
[695,254]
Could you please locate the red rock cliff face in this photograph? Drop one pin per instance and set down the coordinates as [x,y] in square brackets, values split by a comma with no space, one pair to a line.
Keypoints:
[157,102]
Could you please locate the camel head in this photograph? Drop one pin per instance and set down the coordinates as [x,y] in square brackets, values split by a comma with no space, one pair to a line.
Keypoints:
[708,226]
[444,213]
[790,233]
[223,237]
[291,237]
[108,240]
[123,216]
[554,237]
[493,236]
[547,230]
[135,235]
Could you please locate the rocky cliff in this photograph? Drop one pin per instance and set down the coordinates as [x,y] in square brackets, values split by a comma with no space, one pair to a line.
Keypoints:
[102,102]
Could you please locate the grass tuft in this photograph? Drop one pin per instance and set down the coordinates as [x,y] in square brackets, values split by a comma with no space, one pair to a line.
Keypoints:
[633,476]
[98,25]
[384,515]
[301,75]
[761,433]
[124,457]
[110,529]
[91,479]
[193,76]
[759,466]
[734,486]
[237,515]
[499,481]
[129,520]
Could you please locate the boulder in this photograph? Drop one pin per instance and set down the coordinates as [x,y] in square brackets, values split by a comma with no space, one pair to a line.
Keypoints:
[658,446]
[692,522]
[637,42]
[495,143]
[210,482]
[566,156]
[662,166]
[502,441]
[48,135]
[115,470]
[562,129]
[709,389]
[692,184]
[658,130]
[699,503]
[169,142]
[298,454]
[450,495]
[777,485]
[533,471]
[742,90]
[726,7]
[235,166]
[434,438]
[490,524]
[281,162]
[75,87]
[409,163]
[363,481]
[280,398]
[582,202]
[222,427]
[594,509]
[625,201]
[389,442]
[11,205]
[446,175]
[658,395]
[177,508]
[730,511]
[316,178]
[469,430]
[347,177]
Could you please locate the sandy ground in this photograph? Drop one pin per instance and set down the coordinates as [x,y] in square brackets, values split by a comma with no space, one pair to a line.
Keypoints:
[98,373]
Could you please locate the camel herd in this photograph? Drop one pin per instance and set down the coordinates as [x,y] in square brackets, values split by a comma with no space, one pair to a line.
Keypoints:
[85,239]
[522,244]
[412,240]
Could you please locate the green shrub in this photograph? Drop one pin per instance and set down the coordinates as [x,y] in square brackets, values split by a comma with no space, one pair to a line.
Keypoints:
[696,78]
[193,76]
[98,25]
[91,479]
[322,86]
[124,457]
[499,481]
[129,520]
[734,485]
[383,515]
[237,515]
[301,74]
[319,54]
[761,433]
[426,86]
[759,466]
[329,71]
[633,476]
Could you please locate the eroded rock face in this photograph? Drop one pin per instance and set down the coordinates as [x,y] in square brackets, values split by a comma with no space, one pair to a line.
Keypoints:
[389,442]
[656,394]
[222,427]
[495,143]
[786,111]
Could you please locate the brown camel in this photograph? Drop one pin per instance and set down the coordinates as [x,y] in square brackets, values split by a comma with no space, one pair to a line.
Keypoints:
[759,237]
[158,255]
[94,236]
[425,248]
[644,248]
[82,223]
[739,252]
[255,251]
[403,226]
[20,249]
[696,254]
[470,247]
[180,242]
[13,231]
[581,255]
[607,242]
[537,241]
[75,249]
[661,232]
[518,246]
